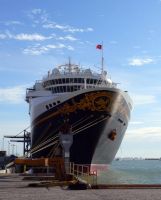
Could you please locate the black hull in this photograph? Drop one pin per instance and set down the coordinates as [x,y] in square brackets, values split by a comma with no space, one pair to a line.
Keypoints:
[91,115]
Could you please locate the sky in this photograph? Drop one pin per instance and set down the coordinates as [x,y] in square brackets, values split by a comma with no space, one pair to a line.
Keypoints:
[36,35]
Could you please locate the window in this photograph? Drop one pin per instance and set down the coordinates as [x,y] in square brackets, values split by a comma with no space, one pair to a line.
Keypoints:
[68,88]
[75,88]
[53,82]
[54,90]
[61,89]
[64,88]
[99,81]
[47,107]
[50,105]
[95,81]
[58,89]
[79,87]
[59,81]
[88,80]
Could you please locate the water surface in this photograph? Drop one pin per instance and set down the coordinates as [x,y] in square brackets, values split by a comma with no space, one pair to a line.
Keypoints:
[132,172]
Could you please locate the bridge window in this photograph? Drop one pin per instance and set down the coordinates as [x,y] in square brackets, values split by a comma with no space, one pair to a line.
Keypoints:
[91,81]
[67,88]
[67,80]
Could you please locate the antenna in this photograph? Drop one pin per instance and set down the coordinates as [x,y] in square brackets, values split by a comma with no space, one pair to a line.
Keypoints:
[69,64]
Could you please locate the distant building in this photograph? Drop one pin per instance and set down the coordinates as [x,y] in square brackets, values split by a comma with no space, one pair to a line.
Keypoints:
[4,159]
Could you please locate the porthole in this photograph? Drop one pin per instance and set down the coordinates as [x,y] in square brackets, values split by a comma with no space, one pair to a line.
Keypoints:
[54,104]
[120,120]
[50,105]
[47,107]
[58,101]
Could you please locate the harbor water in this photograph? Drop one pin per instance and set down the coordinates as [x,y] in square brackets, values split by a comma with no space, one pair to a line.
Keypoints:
[132,172]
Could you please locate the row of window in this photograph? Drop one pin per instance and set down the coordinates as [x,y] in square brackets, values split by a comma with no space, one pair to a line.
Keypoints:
[71,80]
[62,89]
[51,105]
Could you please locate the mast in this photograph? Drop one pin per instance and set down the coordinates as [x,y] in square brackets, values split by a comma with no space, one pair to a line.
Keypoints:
[102,59]
[100,47]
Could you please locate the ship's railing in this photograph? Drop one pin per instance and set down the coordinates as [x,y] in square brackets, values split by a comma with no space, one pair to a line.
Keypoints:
[84,173]
[29,90]
[38,81]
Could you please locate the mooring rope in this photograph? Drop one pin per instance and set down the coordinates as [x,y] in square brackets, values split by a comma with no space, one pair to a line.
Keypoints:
[45,147]
[43,143]
[76,132]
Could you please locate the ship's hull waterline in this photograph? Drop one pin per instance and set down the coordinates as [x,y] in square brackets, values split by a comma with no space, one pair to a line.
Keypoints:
[98,119]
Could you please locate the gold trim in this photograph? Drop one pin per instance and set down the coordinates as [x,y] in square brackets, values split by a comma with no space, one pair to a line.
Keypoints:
[95,101]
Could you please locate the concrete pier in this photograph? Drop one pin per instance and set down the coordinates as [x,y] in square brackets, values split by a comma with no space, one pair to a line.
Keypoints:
[14,187]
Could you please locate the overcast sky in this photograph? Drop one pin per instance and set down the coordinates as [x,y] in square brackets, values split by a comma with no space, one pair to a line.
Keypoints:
[37,35]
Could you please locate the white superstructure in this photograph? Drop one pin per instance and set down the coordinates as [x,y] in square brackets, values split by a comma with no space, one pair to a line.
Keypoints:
[62,83]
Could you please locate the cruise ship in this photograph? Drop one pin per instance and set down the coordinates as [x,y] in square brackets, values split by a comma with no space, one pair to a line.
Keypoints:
[87,105]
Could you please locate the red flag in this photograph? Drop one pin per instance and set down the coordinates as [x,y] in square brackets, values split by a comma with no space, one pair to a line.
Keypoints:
[99,46]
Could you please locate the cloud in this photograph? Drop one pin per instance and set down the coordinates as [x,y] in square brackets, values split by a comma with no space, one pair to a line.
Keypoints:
[145,132]
[36,11]
[28,37]
[35,37]
[68,37]
[66,28]
[40,16]
[140,61]
[38,49]
[13,95]
[136,122]
[3,36]
[54,26]
[12,22]
[81,30]
[8,23]
[143,99]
